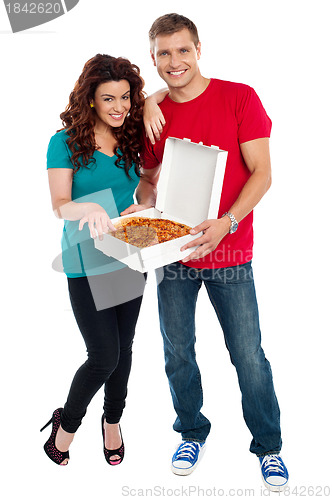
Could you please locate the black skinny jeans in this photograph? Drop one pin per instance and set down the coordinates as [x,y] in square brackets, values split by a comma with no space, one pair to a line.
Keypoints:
[108,335]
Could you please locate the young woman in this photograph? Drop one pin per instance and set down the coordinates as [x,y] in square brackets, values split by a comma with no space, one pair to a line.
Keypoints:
[93,166]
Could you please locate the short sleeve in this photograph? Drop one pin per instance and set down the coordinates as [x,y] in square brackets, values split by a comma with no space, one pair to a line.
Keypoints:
[253,121]
[58,153]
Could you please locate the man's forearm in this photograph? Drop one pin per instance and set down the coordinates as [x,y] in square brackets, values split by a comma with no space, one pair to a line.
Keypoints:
[252,192]
[256,155]
[146,193]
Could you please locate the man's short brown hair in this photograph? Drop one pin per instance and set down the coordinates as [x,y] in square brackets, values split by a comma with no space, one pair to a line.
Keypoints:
[171,23]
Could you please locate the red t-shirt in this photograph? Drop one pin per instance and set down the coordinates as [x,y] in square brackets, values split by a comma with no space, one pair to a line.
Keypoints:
[226,114]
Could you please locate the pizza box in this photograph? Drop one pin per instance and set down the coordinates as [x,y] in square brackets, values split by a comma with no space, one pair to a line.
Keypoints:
[189,191]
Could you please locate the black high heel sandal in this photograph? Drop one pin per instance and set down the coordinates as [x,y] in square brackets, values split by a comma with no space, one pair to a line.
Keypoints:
[51,451]
[110,453]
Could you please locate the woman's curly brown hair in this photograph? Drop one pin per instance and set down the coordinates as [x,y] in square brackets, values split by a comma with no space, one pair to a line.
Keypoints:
[79,118]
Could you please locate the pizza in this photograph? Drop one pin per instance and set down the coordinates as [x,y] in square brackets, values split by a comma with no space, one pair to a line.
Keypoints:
[144,231]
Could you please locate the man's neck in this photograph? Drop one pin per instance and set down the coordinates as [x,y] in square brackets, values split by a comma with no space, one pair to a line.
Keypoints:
[189,92]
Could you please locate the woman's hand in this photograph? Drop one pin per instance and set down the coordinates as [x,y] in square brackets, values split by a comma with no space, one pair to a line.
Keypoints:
[97,219]
[153,118]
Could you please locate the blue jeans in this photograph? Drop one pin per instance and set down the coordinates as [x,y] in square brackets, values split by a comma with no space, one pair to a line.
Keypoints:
[232,294]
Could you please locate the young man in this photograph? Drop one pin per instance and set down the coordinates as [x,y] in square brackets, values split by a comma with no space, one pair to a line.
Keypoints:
[231,116]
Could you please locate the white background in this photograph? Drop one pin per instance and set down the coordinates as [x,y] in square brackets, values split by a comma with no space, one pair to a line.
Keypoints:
[282,49]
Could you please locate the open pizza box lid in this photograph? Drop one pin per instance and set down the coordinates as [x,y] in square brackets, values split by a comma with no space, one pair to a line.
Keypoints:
[189,191]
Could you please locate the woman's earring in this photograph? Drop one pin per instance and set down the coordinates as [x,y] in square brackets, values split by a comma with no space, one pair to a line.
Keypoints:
[91,105]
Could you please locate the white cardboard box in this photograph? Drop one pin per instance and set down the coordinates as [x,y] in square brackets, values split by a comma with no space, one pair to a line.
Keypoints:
[189,191]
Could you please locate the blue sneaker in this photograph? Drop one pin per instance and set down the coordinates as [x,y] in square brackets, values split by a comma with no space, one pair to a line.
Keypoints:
[274,472]
[186,457]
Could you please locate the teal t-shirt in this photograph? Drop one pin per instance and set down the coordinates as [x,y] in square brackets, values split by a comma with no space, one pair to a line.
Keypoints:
[100,182]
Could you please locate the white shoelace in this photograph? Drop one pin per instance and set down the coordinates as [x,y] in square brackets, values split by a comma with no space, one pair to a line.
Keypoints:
[186,450]
[272,463]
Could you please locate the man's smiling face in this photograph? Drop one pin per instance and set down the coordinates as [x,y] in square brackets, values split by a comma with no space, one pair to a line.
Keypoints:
[176,58]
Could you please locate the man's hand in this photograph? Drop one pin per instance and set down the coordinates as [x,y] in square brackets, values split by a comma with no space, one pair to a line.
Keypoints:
[214,231]
[153,117]
[154,120]
[135,208]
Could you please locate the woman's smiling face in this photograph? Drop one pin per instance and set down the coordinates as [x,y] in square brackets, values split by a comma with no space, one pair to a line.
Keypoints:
[112,102]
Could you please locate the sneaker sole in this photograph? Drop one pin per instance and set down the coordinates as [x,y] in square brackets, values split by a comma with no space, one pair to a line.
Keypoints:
[185,472]
[275,488]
